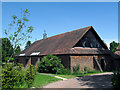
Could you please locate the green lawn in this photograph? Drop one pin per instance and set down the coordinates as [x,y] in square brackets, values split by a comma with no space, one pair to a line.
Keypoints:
[41,80]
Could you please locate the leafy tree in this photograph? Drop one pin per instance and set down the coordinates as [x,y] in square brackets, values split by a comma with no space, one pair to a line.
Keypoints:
[113,46]
[50,64]
[17,50]
[7,49]
[28,44]
[18,31]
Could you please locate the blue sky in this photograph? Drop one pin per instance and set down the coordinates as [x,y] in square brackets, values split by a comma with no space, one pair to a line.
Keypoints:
[61,17]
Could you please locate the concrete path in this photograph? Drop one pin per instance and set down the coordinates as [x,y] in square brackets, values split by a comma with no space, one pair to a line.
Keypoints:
[102,80]
[53,76]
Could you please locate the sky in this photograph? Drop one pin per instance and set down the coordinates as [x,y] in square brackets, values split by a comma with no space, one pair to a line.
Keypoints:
[61,17]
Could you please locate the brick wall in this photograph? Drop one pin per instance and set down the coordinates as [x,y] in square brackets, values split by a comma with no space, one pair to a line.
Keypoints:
[89,62]
[84,61]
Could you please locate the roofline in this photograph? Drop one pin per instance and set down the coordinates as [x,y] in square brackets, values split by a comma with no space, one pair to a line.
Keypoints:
[82,35]
[90,27]
[65,54]
[100,39]
[65,33]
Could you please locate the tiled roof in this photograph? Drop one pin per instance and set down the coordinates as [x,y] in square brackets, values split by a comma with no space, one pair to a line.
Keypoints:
[118,48]
[59,44]
[117,52]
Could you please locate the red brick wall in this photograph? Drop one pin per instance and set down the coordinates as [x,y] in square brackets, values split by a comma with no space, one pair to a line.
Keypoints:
[84,61]
[89,62]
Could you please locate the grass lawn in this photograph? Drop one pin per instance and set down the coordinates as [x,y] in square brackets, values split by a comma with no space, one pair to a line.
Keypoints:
[41,80]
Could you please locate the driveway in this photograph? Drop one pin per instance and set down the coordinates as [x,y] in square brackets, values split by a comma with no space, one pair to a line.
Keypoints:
[102,80]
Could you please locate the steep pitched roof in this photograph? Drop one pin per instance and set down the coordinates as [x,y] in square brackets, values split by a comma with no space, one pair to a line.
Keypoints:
[59,44]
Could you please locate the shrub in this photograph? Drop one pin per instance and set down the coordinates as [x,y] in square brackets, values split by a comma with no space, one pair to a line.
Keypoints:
[16,76]
[30,76]
[49,64]
[93,71]
[76,69]
[12,76]
[116,79]
[63,71]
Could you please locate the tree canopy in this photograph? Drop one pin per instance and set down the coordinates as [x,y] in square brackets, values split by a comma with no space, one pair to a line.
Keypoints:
[7,49]
[113,46]
[18,31]
[28,44]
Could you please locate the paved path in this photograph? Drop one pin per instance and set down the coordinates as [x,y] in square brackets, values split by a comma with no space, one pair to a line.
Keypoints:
[53,76]
[102,80]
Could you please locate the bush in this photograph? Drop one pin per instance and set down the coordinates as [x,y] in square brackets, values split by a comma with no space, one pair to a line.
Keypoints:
[76,69]
[93,71]
[30,75]
[116,79]
[50,64]
[16,76]
[63,71]
[12,76]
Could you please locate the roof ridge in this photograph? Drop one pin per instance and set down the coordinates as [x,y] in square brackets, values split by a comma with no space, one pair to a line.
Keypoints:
[65,33]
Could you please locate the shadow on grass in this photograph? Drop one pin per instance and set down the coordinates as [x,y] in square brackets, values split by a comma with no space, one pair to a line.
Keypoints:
[96,81]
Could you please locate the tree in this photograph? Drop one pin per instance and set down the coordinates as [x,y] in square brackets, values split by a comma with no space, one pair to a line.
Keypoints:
[7,49]
[17,50]
[113,46]
[28,44]
[18,31]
